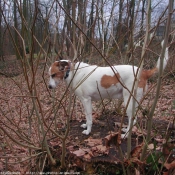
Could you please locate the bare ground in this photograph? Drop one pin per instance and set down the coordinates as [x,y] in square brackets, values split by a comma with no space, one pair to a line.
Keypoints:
[97,153]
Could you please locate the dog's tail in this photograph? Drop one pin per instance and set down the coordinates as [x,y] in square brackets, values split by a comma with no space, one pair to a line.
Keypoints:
[165,60]
[157,68]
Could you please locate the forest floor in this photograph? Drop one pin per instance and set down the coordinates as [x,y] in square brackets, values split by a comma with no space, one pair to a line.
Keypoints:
[101,152]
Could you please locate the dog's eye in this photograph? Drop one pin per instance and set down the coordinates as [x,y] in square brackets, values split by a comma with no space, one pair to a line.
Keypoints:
[53,75]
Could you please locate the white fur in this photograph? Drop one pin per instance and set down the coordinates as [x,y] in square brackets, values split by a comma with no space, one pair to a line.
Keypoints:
[87,86]
[165,59]
[52,82]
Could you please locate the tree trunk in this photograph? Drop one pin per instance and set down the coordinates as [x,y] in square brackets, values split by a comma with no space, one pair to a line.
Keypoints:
[15,33]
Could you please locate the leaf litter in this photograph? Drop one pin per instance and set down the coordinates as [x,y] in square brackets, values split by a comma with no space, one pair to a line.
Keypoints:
[100,146]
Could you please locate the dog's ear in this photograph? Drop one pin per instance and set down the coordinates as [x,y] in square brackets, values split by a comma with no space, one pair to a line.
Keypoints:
[63,65]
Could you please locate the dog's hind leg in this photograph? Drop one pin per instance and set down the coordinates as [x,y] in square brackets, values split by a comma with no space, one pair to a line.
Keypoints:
[129,112]
[88,112]
[130,108]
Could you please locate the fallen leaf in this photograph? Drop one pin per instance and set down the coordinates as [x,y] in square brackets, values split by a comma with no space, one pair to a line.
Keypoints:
[159,140]
[134,129]
[158,148]
[137,172]
[137,150]
[166,173]
[119,138]
[1,167]
[70,148]
[151,146]
[86,150]
[79,152]
[99,150]
[87,157]
[78,163]
[95,115]
[137,161]
[102,149]
[54,144]
[170,165]
[92,142]
[100,123]
[112,139]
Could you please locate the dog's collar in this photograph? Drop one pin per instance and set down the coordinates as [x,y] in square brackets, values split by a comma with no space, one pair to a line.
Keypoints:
[67,73]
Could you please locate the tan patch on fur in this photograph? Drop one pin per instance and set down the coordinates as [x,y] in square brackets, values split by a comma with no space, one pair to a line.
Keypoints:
[107,80]
[55,70]
[145,75]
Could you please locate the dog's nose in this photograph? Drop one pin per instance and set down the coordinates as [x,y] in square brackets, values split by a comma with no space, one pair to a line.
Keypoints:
[50,87]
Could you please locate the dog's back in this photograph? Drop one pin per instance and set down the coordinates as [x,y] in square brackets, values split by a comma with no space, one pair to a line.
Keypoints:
[102,82]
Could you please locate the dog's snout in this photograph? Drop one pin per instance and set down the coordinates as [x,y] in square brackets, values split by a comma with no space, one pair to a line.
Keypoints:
[50,87]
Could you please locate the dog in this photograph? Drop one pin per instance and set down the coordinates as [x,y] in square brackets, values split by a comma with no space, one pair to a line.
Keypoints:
[92,83]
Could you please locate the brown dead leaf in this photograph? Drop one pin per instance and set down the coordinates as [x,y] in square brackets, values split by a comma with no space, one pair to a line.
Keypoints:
[95,115]
[133,160]
[100,123]
[151,146]
[90,168]
[112,138]
[137,172]
[119,138]
[170,165]
[137,161]
[78,163]
[70,148]
[159,148]
[79,152]
[87,157]
[102,149]
[55,144]
[159,140]
[93,142]
[135,153]
[91,153]
[134,129]
[99,150]
[167,149]
[1,167]
[86,150]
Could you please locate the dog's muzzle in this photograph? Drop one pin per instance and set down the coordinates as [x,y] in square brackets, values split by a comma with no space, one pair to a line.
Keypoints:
[52,83]
[50,87]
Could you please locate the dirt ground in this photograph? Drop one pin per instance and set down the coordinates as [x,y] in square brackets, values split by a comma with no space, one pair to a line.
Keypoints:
[101,152]
[86,152]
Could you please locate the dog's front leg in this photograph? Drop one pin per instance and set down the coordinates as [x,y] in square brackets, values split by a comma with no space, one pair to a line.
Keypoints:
[88,112]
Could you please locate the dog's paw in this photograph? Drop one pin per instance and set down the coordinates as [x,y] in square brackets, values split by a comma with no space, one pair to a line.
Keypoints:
[86,132]
[124,129]
[123,136]
[84,126]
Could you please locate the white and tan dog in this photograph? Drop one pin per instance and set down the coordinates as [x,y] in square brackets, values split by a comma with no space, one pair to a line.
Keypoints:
[91,83]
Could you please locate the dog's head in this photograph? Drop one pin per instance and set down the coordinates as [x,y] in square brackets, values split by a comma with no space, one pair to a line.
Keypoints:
[58,71]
